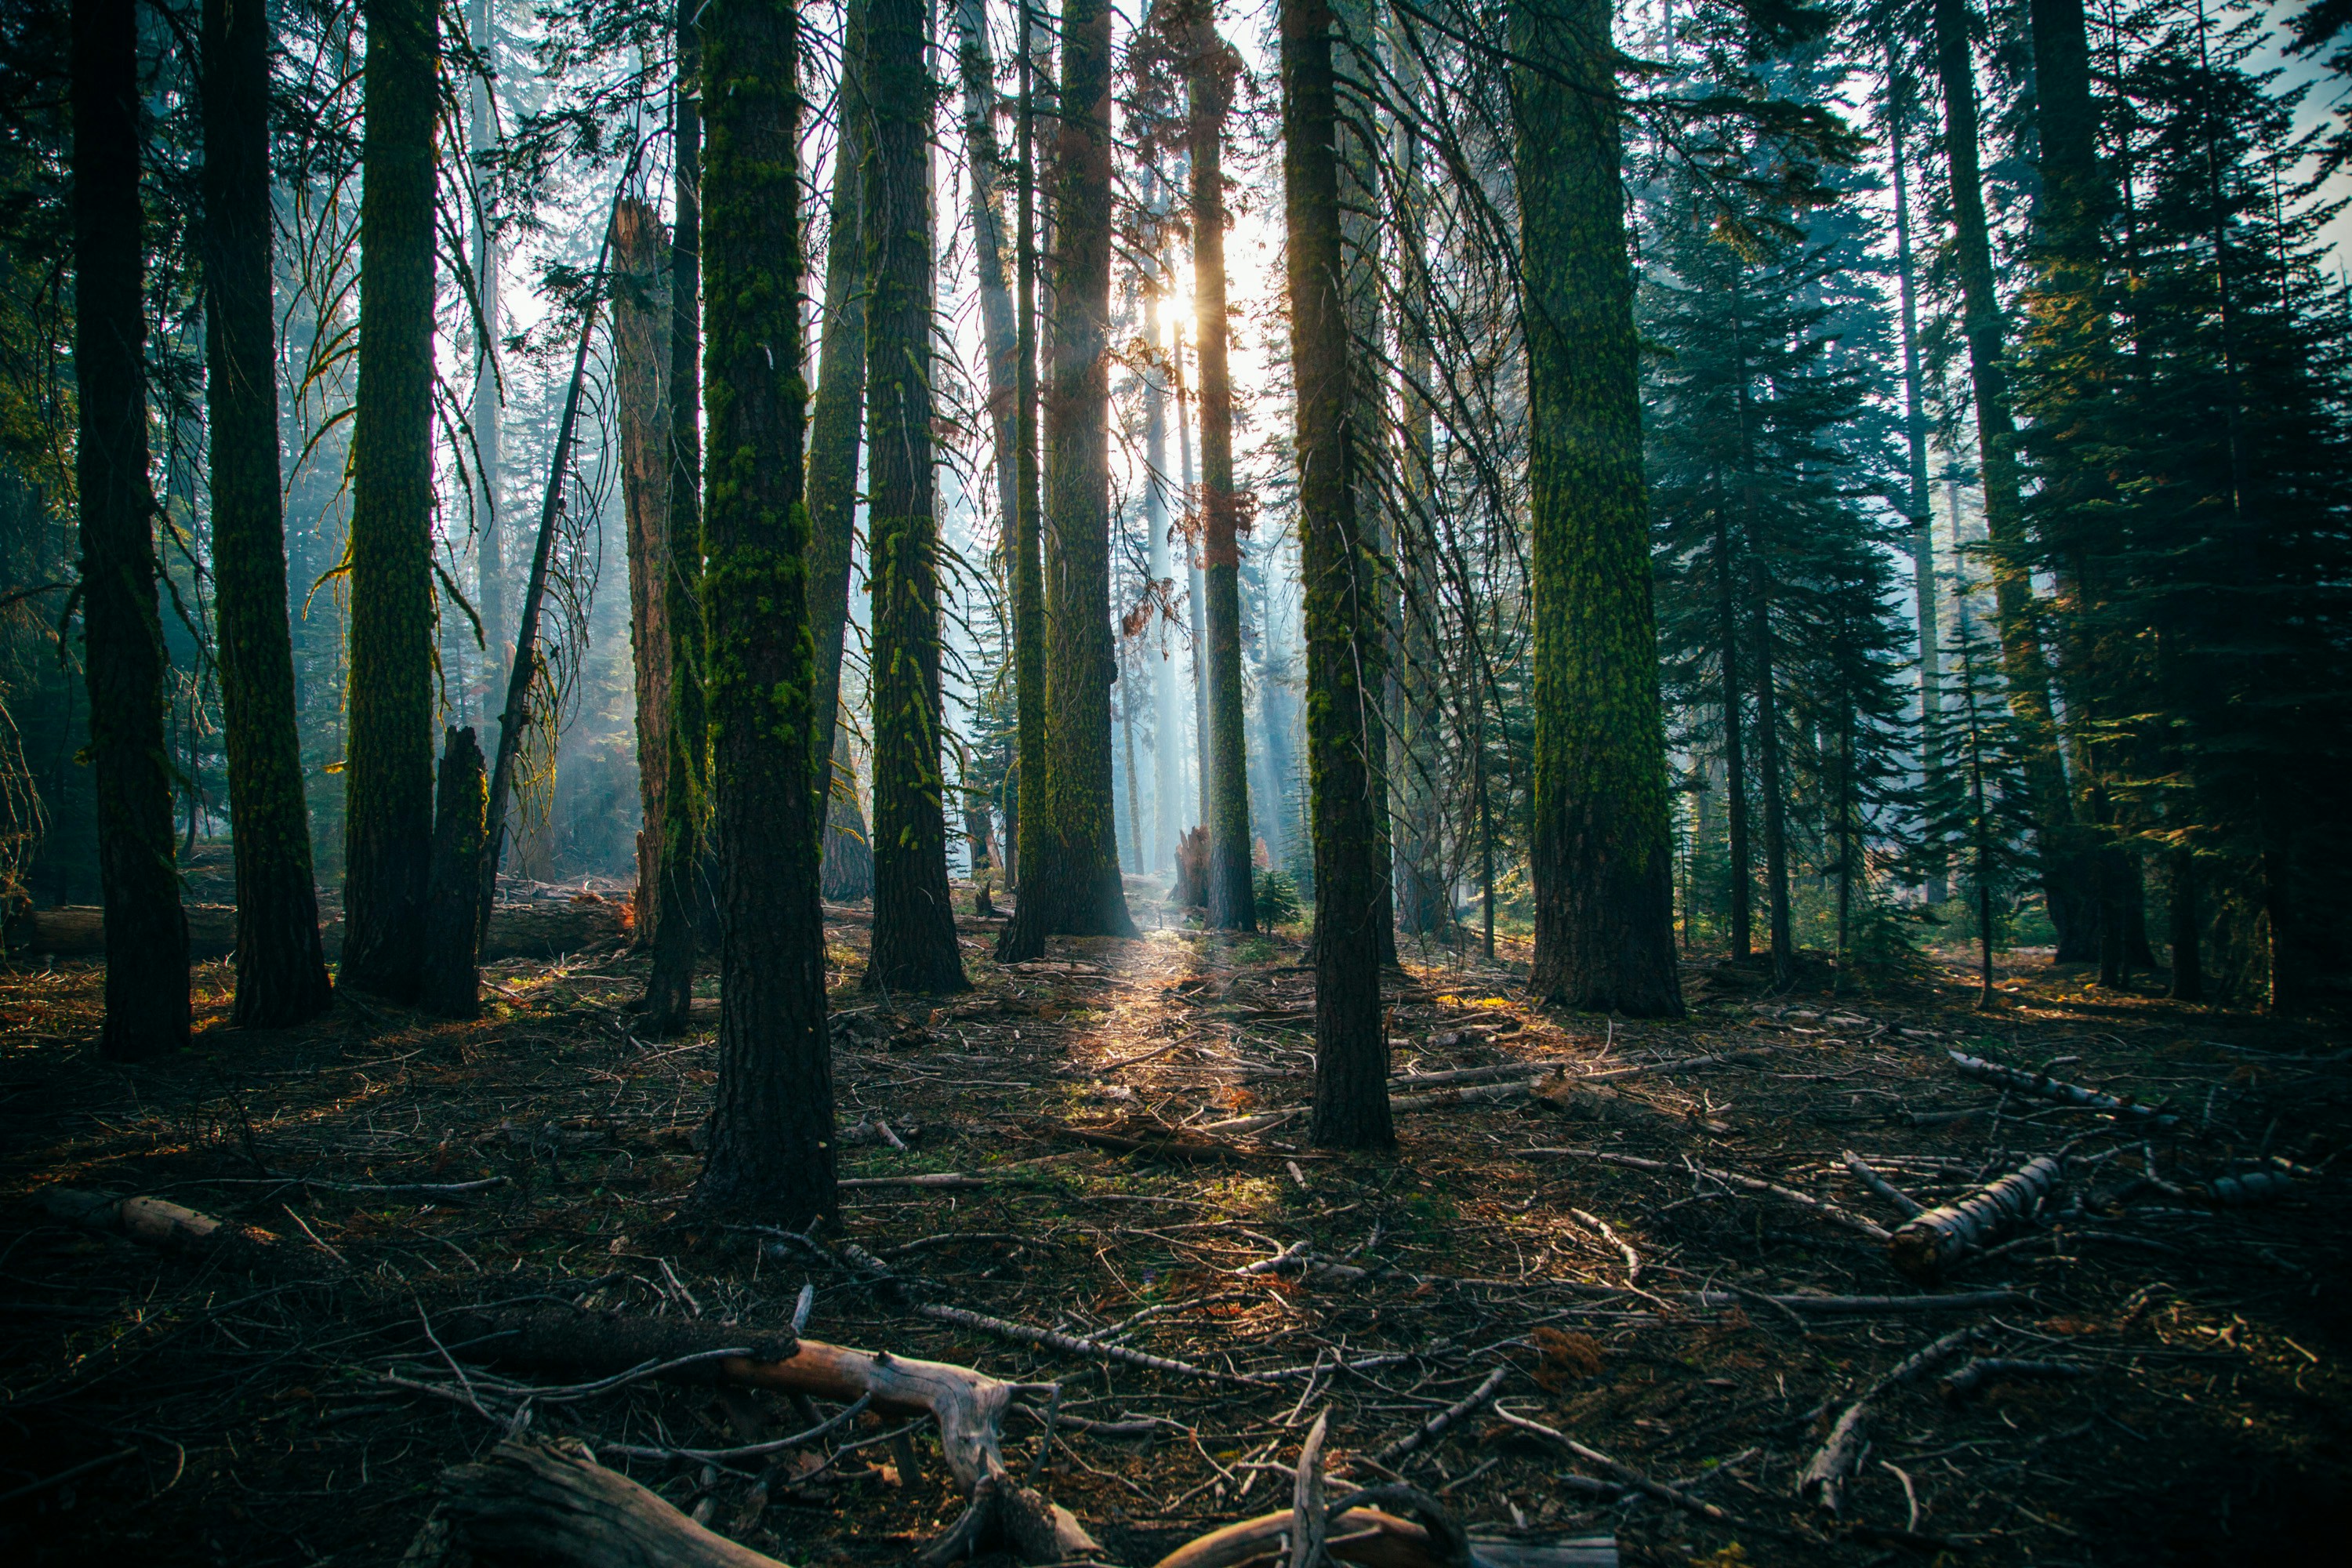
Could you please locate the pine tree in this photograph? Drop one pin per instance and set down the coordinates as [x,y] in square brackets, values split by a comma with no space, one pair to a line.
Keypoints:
[1070,881]
[682,890]
[281,968]
[122,634]
[388,777]
[1979,809]
[837,415]
[914,946]
[1338,570]
[771,1143]
[1602,864]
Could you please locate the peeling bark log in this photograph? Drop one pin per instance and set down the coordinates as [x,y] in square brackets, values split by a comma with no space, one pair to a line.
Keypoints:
[1378,1539]
[1933,1242]
[1824,1479]
[2043,1086]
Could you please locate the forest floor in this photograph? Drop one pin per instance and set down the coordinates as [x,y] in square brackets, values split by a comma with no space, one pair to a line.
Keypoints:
[1576,1239]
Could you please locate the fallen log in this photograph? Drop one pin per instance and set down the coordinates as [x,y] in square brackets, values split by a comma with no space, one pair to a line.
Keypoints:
[529,1502]
[1985,1370]
[1859,1306]
[1931,1243]
[173,1227]
[968,1406]
[2043,1087]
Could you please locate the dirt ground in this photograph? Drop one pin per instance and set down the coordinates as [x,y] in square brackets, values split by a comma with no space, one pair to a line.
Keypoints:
[2188,1404]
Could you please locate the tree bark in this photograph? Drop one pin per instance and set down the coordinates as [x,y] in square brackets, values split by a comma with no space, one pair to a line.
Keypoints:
[1072,846]
[1343,636]
[914,922]
[682,887]
[836,416]
[2023,665]
[489,564]
[637,332]
[771,1142]
[1209,69]
[388,777]
[1026,803]
[1601,857]
[1742,889]
[122,632]
[451,983]
[281,971]
[977,70]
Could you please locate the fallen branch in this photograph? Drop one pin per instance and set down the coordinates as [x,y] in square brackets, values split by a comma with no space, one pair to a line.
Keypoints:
[1071,1344]
[1839,1455]
[173,1227]
[955,1180]
[1436,1425]
[969,1405]
[1990,1369]
[1627,1476]
[2043,1086]
[1930,1243]
[1826,1210]
[1382,1539]
[531,1502]
[1859,1306]
[1912,1207]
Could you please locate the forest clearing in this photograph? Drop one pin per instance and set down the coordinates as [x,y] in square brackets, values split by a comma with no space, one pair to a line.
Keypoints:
[2144,1372]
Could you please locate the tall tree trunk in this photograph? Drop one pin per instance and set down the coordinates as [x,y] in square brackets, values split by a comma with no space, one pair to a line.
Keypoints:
[1197,595]
[1356,76]
[1423,903]
[638,321]
[388,779]
[281,969]
[1771,781]
[1167,753]
[1918,509]
[1601,857]
[1073,844]
[1343,635]
[2188,926]
[683,887]
[977,70]
[835,419]
[1735,741]
[1209,68]
[2024,666]
[123,631]
[771,1144]
[489,558]
[914,921]
[1024,839]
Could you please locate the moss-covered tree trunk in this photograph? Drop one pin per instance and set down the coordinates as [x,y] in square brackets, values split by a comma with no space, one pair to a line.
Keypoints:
[639,323]
[1343,633]
[281,969]
[681,888]
[914,922]
[122,632]
[1601,855]
[2023,665]
[1027,569]
[771,1144]
[1209,68]
[837,415]
[388,775]
[1072,846]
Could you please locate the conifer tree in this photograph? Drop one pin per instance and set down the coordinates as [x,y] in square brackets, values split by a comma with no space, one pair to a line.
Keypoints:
[771,1143]
[1338,570]
[1602,865]
[1979,809]
[388,777]
[281,968]
[122,634]
[914,946]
